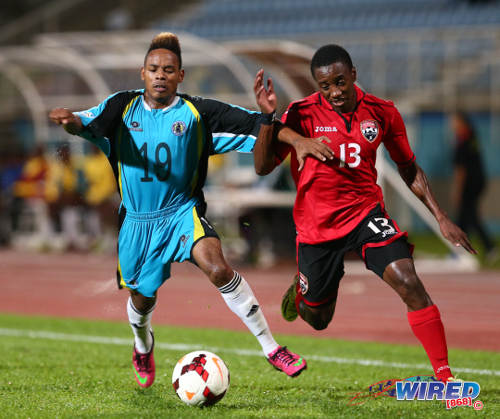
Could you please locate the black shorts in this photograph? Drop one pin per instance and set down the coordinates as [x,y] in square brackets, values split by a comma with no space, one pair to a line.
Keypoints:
[377,240]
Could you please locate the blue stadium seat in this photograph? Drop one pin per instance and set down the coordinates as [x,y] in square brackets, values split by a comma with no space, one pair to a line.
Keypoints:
[348,14]
[240,19]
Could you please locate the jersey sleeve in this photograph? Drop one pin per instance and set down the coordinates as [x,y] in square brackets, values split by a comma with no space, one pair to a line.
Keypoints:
[396,140]
[232,127]
[87,117]
[100,122]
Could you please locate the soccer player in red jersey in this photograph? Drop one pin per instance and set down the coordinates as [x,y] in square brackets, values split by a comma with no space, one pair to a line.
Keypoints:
[339,207]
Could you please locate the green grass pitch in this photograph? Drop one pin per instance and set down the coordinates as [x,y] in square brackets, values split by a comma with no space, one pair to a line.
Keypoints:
[58,368]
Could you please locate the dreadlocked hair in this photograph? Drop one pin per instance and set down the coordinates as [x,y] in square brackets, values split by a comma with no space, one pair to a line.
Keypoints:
[166,40]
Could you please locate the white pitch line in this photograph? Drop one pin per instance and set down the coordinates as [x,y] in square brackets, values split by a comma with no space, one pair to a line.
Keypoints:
[33,334]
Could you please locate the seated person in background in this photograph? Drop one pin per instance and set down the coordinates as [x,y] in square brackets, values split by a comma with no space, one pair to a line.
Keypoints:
[102,199]
[31,184]
[11,170]
[29,195]
[63,198]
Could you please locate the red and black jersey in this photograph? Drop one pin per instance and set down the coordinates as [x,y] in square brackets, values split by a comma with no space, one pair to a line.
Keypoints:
[334,196]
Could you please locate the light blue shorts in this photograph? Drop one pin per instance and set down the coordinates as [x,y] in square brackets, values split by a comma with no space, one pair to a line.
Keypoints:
[148,243]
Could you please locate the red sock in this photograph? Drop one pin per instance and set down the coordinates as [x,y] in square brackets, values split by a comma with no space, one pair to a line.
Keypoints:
[428,328]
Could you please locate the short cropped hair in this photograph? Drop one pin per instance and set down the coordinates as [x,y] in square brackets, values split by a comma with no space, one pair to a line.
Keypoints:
[329,54]
[166,40]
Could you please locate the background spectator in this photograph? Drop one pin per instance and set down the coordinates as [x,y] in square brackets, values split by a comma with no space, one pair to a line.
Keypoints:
[469,181]
[62,191]
[102,200]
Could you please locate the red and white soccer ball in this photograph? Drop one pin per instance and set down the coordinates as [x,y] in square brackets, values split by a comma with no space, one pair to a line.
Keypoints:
[200,378]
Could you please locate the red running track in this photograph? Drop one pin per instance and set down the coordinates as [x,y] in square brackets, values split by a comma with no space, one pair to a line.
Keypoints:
[84,286]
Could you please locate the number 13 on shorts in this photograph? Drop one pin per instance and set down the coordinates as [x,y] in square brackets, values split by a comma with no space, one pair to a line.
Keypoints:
[380,225]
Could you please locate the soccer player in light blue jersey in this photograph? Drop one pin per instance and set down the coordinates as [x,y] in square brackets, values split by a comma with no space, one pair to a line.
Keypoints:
[158,143]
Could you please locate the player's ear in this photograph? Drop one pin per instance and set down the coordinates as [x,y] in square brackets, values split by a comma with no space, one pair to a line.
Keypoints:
[354,74]
[142,73]
[181,75]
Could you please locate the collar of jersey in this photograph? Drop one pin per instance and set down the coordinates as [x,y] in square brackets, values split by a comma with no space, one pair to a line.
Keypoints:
[148,108]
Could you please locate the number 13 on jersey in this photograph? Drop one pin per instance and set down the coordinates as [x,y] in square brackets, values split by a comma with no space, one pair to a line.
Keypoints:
[349,155]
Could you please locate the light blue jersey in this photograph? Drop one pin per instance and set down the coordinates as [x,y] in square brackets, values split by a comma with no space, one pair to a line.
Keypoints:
[159,155]
[160,159]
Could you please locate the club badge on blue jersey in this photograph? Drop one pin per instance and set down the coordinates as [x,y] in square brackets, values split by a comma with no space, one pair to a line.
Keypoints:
[369,129]
[178,128]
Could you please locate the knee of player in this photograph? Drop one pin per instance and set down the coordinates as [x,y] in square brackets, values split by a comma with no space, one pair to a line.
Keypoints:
[220,274]
[411,289]
[141,303]
[411,284]
[320,324]
[401,275]
[318,319]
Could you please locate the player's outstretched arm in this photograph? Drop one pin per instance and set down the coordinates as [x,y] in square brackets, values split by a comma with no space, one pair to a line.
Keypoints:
[264,161]
[417,181]
[70,122]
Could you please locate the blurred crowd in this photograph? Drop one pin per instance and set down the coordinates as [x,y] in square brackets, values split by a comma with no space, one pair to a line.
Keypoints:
[54,199]
[58,200]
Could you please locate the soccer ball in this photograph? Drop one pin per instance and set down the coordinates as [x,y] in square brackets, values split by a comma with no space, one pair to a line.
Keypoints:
[200,378]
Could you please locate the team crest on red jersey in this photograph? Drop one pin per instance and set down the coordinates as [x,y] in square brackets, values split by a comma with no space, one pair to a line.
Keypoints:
[369,129]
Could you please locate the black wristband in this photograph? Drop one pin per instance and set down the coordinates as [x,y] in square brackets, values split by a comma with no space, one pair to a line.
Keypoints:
[267,118]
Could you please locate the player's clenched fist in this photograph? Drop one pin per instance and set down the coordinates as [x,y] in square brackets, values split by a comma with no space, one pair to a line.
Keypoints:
[66,118]
[61,116]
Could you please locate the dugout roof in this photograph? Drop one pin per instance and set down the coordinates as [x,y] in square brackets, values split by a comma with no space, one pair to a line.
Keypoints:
[78,70]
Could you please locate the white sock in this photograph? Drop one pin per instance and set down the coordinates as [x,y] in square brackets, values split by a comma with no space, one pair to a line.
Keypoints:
[240,299]
[141,326]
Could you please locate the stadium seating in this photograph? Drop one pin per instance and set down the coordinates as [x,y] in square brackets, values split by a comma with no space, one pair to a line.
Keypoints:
[264,18]
[301,20]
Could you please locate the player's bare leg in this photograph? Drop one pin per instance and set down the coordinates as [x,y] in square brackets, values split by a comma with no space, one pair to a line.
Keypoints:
[318,317]
[401,276]
[423,316]
[293,304]
[207,253]
[140,310]
[141,303]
